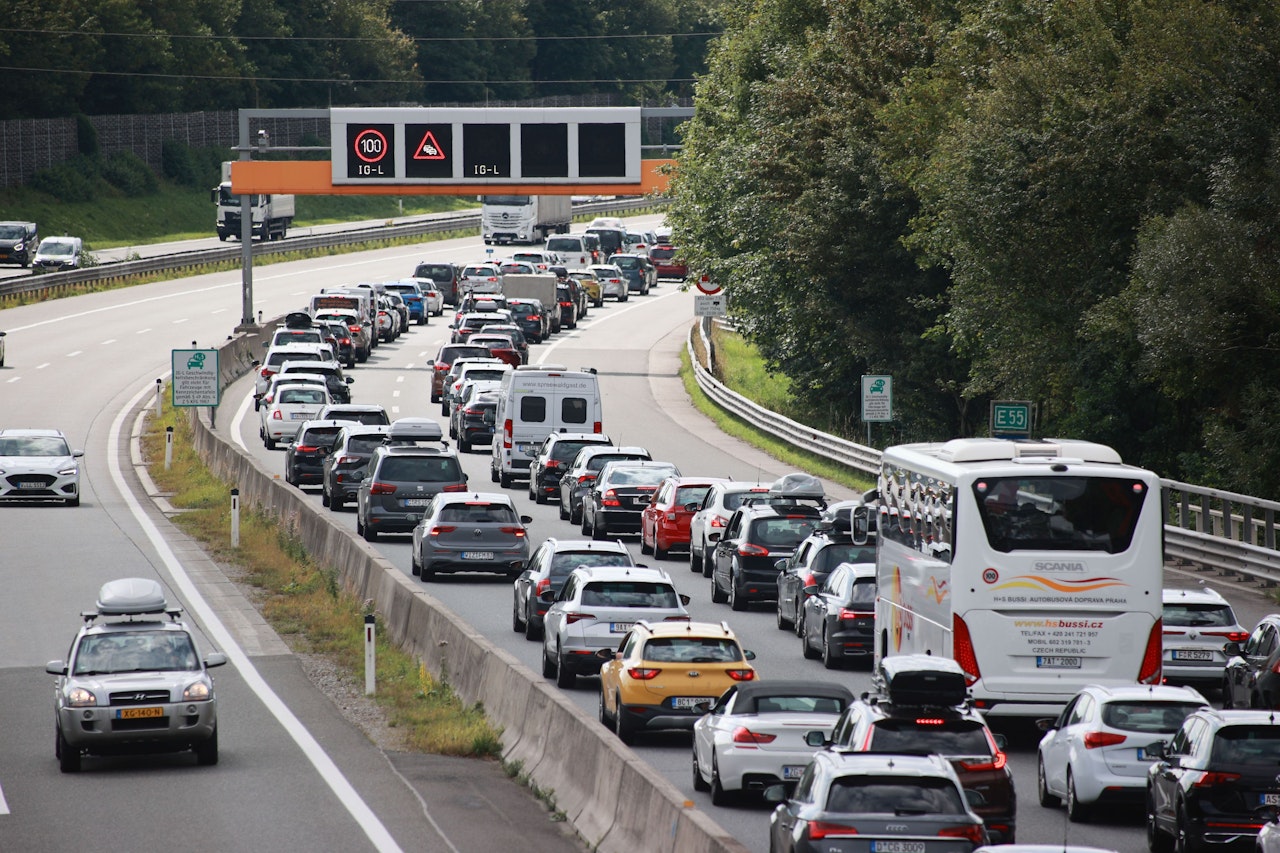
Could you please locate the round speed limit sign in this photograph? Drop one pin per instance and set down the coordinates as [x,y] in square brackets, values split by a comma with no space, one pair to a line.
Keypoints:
[705,285]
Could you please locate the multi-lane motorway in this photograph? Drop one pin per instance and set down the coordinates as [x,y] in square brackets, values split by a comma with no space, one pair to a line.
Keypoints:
[76,364]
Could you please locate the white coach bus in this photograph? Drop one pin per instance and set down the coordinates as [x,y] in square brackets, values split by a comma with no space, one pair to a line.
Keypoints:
[1036,565]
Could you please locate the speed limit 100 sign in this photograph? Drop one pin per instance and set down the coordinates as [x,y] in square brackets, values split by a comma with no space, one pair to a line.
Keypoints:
[705,285]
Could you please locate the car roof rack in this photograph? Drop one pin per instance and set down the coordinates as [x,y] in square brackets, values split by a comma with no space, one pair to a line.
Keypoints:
[131,597]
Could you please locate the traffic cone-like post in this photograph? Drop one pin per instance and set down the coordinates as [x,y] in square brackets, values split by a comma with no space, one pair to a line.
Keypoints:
[370,661]
[168,448]
[235,518]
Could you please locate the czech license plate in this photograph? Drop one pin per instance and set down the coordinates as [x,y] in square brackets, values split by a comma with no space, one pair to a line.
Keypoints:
[621,627]
[415,501]
[1057,663]
[30,485]
[1192,654]
[1269,799]
[139,713]
[791,772]
[477,555]
[301,416]
[687,702]
[894,846]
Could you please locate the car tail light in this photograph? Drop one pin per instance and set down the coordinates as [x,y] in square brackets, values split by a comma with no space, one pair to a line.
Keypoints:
[585,478]
[472,411]
[741,674]
[819,829]
[506,434]
[570,617]
[346,460]
[542,586]
[566,304]
[1213,778]
[742,734]
[553,463]
[455,487]
[746,549]
[962,650]
[1150,671]
[597,428]
[997,762]
[267,373]
[610,499]
[306,448]
[277,416]
[808,580]
[1230,636]
[719,521]
[443,528]
[972,831]
[847,615]
[1094,740]
[382,489]
[514,531]
[643,673]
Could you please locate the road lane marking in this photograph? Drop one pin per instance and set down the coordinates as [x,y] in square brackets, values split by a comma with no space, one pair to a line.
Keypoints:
[42,366]
[74,354]
[108,341]
[142,331]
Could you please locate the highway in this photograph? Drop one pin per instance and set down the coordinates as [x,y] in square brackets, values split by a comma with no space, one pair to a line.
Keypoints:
[76,363]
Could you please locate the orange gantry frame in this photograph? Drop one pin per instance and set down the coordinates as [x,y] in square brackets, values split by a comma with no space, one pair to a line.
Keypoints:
[314,177]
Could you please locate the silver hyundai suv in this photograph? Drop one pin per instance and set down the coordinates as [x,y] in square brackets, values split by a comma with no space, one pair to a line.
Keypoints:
[134,681]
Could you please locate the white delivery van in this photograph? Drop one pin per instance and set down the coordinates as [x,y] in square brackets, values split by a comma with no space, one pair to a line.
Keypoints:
[533,402]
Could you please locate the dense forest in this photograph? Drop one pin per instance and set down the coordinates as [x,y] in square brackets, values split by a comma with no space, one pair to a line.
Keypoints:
[1072,202]
[97,57]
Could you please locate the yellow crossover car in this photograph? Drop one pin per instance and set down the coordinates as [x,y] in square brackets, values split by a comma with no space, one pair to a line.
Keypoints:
[591,285]
[666,674]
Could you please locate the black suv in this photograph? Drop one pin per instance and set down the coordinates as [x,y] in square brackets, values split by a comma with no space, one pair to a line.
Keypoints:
[351,451]
[1206,786]
[830,545]
[746,556]
[552,459]
[921,706]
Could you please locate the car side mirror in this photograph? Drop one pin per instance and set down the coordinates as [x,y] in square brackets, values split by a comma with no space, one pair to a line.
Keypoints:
[774,794]
[684,599]
[607,654]
[713,537]
[214,659]
[748,654]
[1002,742]
[975,799]
[693,507]
[816,739]
[810,589]
[526,519]
[1158,750]
[1047,724]
[860,521]
[781,565]
[349,379]
[56,667]
[547,596]
[1232,649]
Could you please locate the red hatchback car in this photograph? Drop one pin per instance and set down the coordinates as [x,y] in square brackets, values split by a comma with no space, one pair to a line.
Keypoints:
[499,346]
[668,264]
[664,523]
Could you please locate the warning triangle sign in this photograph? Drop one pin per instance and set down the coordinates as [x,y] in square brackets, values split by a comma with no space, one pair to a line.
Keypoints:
[429,149]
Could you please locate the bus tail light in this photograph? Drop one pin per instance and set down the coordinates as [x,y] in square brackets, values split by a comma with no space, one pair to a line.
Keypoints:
[962,651]
[1150,672]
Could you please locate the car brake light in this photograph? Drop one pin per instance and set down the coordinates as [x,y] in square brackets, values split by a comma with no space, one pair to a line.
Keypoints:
[267,373]
[553,463]
[1094,740]
[377,488]
[443,528]
[643,673]
[1150,673]
[972,831]
[506,434]
[597,428]
[543,586]
[742,734]
[741,674]
[455,487]
[719,521]
[571,617]
[306,448]
[610,499]
[1214,778]
[962,650]
[847,615]
[819,829]
[746,549]
[808,580]
[1230,636]
[514,531]
[586,478]
[276,416]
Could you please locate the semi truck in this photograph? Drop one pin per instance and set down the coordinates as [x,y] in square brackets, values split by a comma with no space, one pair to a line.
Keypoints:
[524,218]
[271,214]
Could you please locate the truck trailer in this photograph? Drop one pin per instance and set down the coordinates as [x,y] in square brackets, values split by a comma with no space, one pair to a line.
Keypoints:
[524,218]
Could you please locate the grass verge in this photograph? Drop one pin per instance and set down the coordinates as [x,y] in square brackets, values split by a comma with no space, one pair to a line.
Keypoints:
[738,428]
[307,606]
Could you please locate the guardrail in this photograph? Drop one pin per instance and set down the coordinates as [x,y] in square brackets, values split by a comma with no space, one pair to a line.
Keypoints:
[1230,533]
[433,224]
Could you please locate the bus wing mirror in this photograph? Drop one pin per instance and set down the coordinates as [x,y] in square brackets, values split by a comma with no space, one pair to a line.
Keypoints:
[860,518]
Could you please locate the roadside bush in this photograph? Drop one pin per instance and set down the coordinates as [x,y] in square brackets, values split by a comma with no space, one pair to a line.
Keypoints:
[130,174]
[77,179]
[179,163]
[86,136]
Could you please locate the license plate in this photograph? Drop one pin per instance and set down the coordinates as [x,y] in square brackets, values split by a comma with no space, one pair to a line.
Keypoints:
[1269,799]
[792,772]
[1057,663]
[1192,654]
[139,713]
[686,702]
[621,627]
[31,485]
[300,416]
[415,501]
[897,847]
[477,555]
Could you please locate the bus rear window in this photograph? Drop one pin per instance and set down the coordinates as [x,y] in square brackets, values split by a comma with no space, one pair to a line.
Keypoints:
[1059,513]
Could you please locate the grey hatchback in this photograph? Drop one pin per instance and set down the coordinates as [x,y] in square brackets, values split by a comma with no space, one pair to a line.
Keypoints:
[470,532]
[136,683]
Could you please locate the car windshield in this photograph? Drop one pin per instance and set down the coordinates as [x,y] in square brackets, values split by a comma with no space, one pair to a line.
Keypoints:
[1147,716]
[1198,615]
[57,247]
[692,650]
[629,594]
[135,651]
[475,512]
[565,562]
[12,232]
[894,795]
[34,445]
[833,555]
[952,737]
[420,469]
[1256,745]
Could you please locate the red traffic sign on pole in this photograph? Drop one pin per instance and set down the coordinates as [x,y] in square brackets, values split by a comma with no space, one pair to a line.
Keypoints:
[705,285]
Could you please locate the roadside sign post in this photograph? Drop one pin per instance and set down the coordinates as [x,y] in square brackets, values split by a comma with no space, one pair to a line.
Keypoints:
[1011,419]
[195,378]
[710,300]
[877,401]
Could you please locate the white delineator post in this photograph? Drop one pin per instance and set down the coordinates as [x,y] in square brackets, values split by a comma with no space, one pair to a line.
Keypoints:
[370,661]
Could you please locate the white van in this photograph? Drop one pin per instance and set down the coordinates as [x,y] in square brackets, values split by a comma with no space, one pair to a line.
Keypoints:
[572,249]
[533,402]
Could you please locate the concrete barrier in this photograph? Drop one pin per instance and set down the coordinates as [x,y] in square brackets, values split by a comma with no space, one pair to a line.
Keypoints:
[615,801]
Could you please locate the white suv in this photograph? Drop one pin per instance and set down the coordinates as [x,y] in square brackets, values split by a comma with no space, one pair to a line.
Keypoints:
[1197,624]
[595,609]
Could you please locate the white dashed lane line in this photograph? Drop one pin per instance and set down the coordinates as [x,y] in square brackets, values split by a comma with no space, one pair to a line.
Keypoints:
[42,366]
[108,341]
[142,331]
[74,354]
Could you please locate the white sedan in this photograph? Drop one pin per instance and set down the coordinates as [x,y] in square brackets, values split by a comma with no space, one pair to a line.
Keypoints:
[756,735]
[288,409]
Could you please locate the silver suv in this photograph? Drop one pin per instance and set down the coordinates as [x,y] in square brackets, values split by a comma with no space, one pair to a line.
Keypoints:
[1197,624]
[135,681]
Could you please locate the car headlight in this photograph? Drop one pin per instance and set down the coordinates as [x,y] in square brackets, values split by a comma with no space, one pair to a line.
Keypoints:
[69,472]
[78,697]
[197,692]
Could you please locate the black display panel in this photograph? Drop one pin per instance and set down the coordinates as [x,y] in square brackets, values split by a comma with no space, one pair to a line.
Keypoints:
[430,153]
[544,150]
[602,150]
[371,151]
[486,150]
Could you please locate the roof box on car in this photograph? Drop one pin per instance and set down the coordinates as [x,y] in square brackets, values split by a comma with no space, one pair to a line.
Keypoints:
[414,429]
[297,320]
[922,680]
[131,597]
[797,486]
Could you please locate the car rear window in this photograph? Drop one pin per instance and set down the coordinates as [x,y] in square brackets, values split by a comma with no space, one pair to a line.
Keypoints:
[320,436]
[304,396]
[564,244]
[733,500]
[928,731]
[692,650]
[1187,615]
[573,410]
[691,494]
[365,444]
[894,795]
[1236,745]
[795,704]
[629,594]
[276,359]
[479,513]
[566,561]
[439,273]
[661,253]
[1149,717]
[833,555]
[533,409]
[863,595]
[563,451]
[780,532]
[420,469]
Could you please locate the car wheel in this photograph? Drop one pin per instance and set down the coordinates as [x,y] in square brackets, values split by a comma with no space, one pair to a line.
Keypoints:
[324,498]
[493,474]
[575,514]
[453,432]
[463,445]
[717,597]
[288,476]
[783,622]
[1049,801]
[268,442]
[73,501]
[1183,842]
[622,727]
[644,546]
[444,408]
[659,553]
[370,535]
[1157,841]
[699,784]
[737,601]
[335,503]
[564,515]
[517,624]
[708,562]
[532,493]
[435,398]
[565,676]
[604,715]
[719,796]
[599,530]
[531,631]
[695,560]
[1077,812]
[829,660]
[428,573]
[504,479]
[207,751]
[68,756]
[548,665]
[807,650]
[415,564]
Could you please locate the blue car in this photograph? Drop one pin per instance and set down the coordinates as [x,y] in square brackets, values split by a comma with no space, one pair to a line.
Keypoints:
[412,296]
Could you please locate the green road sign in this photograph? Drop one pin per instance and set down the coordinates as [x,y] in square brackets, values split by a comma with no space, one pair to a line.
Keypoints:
[1011,419]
